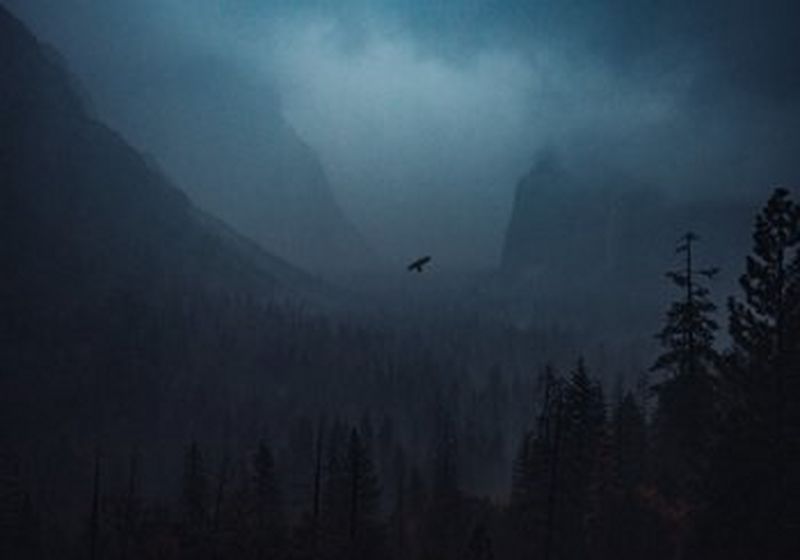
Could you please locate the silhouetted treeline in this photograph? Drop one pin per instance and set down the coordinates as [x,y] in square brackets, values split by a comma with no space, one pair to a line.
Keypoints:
[223,428]
[143,375]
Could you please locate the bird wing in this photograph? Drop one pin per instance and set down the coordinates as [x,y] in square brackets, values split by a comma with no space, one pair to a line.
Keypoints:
[418,264]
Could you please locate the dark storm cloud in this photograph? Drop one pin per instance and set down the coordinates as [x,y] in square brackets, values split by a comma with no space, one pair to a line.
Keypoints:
[425,113]
[752,44]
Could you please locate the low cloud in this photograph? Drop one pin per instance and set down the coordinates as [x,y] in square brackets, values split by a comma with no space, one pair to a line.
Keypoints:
[426,114]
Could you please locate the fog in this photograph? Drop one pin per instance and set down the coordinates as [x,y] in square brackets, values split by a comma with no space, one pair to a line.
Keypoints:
[424,115]
[400,279]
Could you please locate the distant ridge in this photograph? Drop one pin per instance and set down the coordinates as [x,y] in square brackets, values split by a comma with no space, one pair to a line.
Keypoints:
[599,237]
[84,216]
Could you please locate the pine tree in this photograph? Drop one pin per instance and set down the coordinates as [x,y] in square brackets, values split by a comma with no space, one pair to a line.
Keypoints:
[308,533]
[530,492]
[582,438]
[351,497]
[300,465]
[765,326]
[335,512]
[629,439]
[689,333]
[443,522]
[762,376]
[551,429]
[684,418]
[446,487]
[536,491]
[267,506]
[363,527]
[755,485]
[623,528]
[401,506]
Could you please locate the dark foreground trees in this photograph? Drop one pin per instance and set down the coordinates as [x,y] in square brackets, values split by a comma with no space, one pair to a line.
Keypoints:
[754,508]
[706,467]
[716,472]
[684,421]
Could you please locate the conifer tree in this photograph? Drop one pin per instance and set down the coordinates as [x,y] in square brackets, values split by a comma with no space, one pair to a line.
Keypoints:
[443,520]
[336,489]
[446,487]
[267,506]
[689,333]
[537,475]
[524,475]
[755,485]
[764,326]
[530,492]
[629,439]
[363,498]
[762,377]
[684,418]
[581,438]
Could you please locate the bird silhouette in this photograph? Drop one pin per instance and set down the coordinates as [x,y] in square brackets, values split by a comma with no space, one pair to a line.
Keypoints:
[419,263]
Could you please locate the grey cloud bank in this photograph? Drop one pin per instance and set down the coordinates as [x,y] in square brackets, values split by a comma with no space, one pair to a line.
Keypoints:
[425,114]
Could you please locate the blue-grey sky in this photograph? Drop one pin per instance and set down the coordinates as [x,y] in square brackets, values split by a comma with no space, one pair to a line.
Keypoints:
[425,113]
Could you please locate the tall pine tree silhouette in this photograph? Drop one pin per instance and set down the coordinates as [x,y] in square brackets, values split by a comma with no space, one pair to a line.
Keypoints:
[537,475]
[363,527]
[582,438]
[755,508]
[683,422]
[267,505]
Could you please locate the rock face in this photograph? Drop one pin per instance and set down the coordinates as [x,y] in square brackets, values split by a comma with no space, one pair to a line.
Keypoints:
[84,217]
[228,146]
[585,238]
[212,122]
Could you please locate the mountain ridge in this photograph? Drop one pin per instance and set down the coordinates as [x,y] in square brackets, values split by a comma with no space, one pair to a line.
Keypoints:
[216,128]
[600,237]
[84,215]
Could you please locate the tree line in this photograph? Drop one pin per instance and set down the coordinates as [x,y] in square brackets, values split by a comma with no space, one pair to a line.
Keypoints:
[380,446]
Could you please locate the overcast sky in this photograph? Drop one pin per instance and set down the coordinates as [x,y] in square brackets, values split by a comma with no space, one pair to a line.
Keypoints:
[425,113]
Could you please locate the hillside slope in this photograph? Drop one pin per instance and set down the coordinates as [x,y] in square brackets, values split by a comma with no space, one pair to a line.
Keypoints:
[213,123]
[83,216]
[578,240]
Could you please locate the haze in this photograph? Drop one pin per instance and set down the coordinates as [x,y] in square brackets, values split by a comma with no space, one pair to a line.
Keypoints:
[425,115]
[399,279]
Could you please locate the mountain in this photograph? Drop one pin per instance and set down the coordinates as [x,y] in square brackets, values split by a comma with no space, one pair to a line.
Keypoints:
[213,124]
[84,217]
[227,144]
[123,306]
[597,237]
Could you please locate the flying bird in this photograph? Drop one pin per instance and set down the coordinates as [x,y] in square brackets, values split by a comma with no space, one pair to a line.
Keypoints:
[419,263]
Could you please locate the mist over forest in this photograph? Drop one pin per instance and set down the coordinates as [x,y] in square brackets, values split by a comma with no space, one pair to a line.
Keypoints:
[477,279]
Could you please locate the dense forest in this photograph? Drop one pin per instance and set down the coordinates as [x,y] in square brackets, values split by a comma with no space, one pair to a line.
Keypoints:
[226,428]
